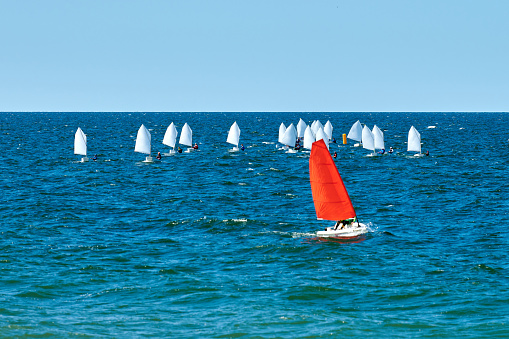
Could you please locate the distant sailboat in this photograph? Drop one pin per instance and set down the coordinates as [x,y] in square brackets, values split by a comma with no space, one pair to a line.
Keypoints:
[328,129]
[316,126]
[170,138]
[186,137]
[289,138]
[301,128]
[368,140]
[320,135]
[379,138]
[143,142]
[309,138]
[330,196]
[282,130]
[356,133]
[80,144]
[414,141]
[234,136]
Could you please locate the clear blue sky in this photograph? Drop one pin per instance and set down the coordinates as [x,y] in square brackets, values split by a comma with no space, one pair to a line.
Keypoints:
[243,55]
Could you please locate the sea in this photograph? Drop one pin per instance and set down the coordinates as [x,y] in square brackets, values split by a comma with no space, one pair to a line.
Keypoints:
[221,244]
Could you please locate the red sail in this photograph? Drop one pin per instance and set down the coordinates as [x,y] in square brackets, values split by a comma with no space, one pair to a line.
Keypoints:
[329,193]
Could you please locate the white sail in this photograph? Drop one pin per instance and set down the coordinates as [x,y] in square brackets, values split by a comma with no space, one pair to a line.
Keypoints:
[290,136]
[309,138]
[186,136]
[355,132]
[234,135]
[282,130]
[170,137]
[320,134]
[379,137]
[143,140]
[414,140]
[317,125]
[80,143]
[328,129]
[301,128]
[368,141]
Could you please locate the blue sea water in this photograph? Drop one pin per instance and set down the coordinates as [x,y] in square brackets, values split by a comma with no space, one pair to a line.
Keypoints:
[223,245]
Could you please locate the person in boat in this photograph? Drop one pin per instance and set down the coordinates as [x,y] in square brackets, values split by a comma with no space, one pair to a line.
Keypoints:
[382,151]
[340,224]
[242,147]
[195,146]
[158,157]
[335,155]
[391,150]
[179,150]
[427,153]
[334,140]
[95,157]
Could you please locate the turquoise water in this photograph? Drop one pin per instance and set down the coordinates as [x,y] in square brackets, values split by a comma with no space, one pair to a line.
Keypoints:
[220,244]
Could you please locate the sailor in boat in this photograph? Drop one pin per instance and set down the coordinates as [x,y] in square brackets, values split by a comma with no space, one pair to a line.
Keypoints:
[391,150]
[195,146]
[382,151]
[335,155]
[179,150]
[339,224]
[158,157]
[242,147]
[334,140]
[427,153]
[95,157]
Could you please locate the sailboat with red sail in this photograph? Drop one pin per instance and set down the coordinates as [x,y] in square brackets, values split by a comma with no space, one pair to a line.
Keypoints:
[330,196]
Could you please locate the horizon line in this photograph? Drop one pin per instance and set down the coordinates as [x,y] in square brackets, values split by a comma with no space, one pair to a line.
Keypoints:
[254,112]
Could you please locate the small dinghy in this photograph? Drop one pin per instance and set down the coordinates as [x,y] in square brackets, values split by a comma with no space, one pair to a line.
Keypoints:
[186,137]
[143,143]
[330,196]
[368,140]
[301,128]
[355,133]
[234,137]
[80,144]
[321,135]
[289,138]
[327,128]
[414,142]
[309,138]
[378,136]
[170,138]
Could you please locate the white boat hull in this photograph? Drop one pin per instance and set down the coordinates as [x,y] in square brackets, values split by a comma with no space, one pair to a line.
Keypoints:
[350,231]
[84,159]
[148,159]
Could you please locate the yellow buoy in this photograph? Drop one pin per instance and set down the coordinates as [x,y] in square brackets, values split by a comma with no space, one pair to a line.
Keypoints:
[344,139]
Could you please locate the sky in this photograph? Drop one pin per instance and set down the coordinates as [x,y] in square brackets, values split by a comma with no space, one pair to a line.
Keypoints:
[263,55]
